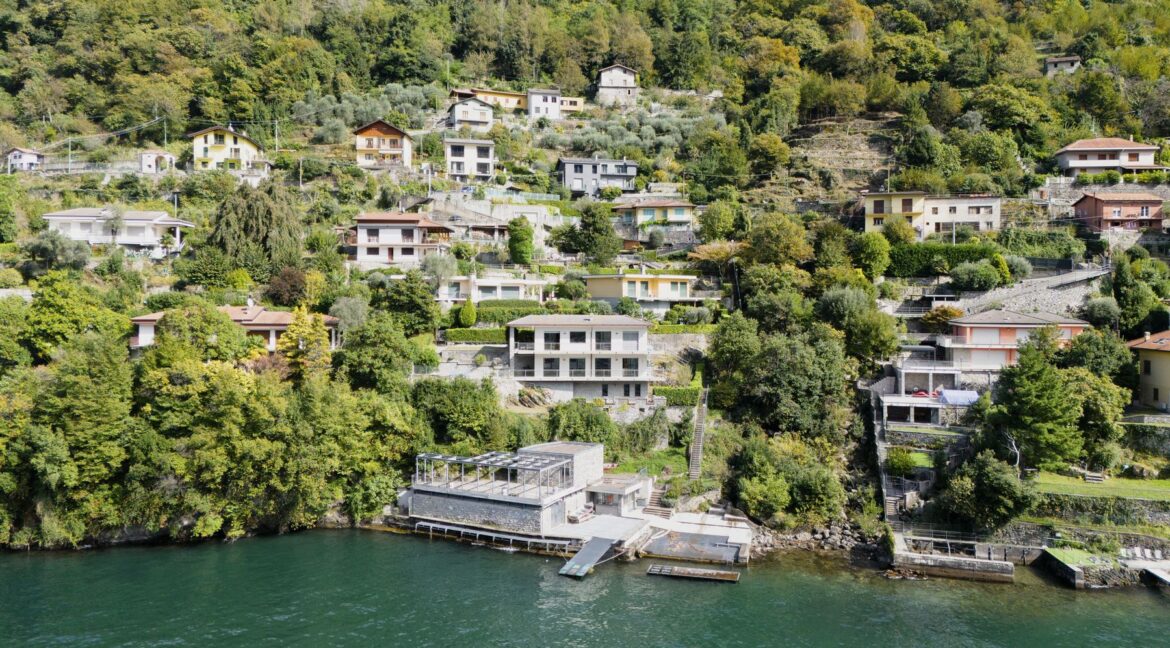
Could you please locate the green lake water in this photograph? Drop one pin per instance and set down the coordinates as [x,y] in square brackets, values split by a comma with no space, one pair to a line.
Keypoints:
[363,588]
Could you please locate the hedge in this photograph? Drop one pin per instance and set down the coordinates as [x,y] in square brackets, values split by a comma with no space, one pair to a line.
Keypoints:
[683,328]
[917,259]
[679,396]
[550,269]
[480,335]
[505,314]
[507,303]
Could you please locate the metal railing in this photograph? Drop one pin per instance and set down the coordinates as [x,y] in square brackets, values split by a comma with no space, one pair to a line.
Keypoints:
[552,346]
[576,373]
[603,346]
[551,373]
[630,373]
[602,373]
[525,346]
[524,373]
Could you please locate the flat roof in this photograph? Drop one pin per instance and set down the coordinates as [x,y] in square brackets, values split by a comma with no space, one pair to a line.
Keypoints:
[579,320]
[639,275]
[560,447]
[459,140]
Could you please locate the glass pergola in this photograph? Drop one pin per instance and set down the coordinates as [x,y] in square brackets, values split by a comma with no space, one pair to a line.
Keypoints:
[506,474]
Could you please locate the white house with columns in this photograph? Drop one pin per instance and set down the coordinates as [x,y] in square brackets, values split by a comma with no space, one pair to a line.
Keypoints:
[582,356]
[151,233]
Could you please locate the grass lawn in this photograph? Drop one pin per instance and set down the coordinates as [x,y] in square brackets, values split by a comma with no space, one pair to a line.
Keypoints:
[1157,531]
[936,431]
[1075,557]
[922,460]
[654,462]
[1151,489]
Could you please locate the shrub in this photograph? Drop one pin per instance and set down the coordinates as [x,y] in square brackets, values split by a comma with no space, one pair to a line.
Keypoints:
[287,287]
[1018,266]
[891,289]
[900,462]
[1046,244]
[477,335]
[486,314]
[937,319]
[467,315]
[683,328]
[1102,312]
[679,396]
[974,276]
[10,278]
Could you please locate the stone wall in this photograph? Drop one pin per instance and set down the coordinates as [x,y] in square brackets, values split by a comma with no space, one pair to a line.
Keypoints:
[1058,294]
[1114,510]
[956,566]
[675,344]
[472,511]
[1148,438]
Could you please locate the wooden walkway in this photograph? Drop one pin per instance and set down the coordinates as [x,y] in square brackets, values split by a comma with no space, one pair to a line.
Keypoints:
[717,575]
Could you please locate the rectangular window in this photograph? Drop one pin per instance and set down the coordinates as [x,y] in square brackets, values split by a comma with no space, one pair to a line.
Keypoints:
[630,367]
[637,391]
[678,211]
[1145,367]
[372,236]
[626,390]
[645,288]
[602,341]
[407,251]
[220,140]
[952,210]
[408,236]
[510,292]
[605,391]
[551,367]
[453,290]
[879,206]
[369,142]
[878,222]
[934,211]
[487,292]
[576,367]
[552,341]
[602,367]
[1145,211]
[1156,396]
[629,340]
[907,205]
[1133,157]
[578,168]
[483,152]
[483,168]
[576,337]
[631,289]
[372,252]
[1083,156]
[456,150]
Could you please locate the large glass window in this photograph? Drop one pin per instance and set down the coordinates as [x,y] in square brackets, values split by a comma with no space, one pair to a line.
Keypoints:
[630,340]
[630,367]
[576,337]
[552,341]
[602,367]
[602,341]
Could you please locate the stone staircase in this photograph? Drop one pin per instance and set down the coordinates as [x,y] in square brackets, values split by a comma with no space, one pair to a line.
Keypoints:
[655,507]
[695,465]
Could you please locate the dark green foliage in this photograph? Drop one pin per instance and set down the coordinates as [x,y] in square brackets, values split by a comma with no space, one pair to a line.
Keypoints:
[986,493]
[980,275]
[461,411]
[477,335]
[287,287]
[409,300]
[376,355]
[580,420]
[520,242]
[210,334]
[259,229]
[50,250]
[918,259]
[679,396]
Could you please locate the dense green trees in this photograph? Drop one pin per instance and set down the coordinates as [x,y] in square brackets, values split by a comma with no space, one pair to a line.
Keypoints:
[520,242]
[986,493]
[259,229]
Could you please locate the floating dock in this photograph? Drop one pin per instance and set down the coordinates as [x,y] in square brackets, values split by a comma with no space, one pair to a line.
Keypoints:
[717,575]
[583,561]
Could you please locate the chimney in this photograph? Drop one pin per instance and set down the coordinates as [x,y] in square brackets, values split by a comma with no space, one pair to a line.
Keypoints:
[251,303]
[1147,336]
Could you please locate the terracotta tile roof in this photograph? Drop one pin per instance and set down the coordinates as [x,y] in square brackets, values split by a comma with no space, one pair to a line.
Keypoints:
[1152,342]
[226,129]
[383,122]
[399,218]
[1105,143]
[1124,196]
[1014,318]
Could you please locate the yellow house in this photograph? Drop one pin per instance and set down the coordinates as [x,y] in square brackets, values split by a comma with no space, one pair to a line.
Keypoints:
[656,293]
[881,205]
[1153,355]
[224,148]
[668,214]
[502,98]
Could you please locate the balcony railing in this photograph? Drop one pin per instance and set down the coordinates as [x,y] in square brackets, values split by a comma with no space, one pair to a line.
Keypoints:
[630,373]
[551,373]
[525,346]
[603,346]
[576,373]
[524,373]
[602,373]
[552,346]
[962,340]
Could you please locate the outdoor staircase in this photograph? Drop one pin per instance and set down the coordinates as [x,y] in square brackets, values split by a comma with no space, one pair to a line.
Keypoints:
[655,507]
[891,508]
[1094,478]
[695,466]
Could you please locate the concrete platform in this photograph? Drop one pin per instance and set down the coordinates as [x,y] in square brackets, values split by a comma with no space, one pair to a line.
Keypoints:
[619,529]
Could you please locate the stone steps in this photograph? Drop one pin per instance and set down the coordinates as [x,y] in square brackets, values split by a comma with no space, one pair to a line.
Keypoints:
[659,511]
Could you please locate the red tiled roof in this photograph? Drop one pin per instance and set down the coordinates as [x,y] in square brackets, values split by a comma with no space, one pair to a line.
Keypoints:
[1105,143]
[1123,196]
[1153,342]
[399,218]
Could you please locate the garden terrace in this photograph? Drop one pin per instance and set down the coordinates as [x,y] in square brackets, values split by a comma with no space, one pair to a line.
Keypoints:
[1147,489]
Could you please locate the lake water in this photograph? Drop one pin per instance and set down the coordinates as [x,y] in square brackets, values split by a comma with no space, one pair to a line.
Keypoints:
[364,588]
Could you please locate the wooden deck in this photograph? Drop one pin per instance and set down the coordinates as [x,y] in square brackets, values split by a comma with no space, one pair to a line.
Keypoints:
[717,575]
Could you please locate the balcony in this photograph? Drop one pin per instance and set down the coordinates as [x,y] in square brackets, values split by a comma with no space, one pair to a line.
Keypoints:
[630,373]
[524,373]
[602,373]
[525,346]
[602,346]
[963,341]
[551,373]
[577,373]
[552,346]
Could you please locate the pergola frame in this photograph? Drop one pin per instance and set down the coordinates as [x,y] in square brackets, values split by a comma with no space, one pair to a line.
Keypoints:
[524,476]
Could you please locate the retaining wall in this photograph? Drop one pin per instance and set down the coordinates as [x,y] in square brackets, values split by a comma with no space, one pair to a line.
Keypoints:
[1114,510]
[997,571]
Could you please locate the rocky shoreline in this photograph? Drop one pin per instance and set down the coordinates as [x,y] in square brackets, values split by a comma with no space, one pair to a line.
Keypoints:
[836,537]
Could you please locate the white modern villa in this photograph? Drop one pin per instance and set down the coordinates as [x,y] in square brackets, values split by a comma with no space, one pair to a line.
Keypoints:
[582,356]
[152,233]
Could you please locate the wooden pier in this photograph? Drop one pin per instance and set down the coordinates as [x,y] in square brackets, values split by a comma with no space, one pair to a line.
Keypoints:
[717,575]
